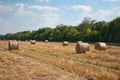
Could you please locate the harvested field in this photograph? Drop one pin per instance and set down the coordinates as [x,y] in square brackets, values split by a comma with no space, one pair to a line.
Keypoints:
[53,61]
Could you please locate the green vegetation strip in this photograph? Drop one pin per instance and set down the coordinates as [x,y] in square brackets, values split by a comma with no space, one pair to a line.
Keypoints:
[90,72]
[80,58]
[32,49]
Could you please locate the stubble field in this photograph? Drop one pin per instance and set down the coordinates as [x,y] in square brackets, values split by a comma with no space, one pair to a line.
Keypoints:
[53,61]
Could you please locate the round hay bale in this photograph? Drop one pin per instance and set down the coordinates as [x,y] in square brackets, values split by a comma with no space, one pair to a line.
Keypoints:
[13,45]
[100,46]
[79,42]
[65,43]
[19,40]
[4,39]
[33,41]
[82,47]
[46,41]
[26,40]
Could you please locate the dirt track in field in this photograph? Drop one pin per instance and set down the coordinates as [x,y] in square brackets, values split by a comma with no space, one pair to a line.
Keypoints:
[52,61]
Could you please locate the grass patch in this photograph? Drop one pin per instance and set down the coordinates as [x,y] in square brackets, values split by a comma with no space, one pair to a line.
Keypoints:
[31,49]
[51,54]
[81,58]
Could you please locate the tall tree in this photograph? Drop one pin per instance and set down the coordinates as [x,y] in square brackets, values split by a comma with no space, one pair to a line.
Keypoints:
[114,30]
[86,23]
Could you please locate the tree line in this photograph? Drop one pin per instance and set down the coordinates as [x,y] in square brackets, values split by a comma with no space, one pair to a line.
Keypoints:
[88,30]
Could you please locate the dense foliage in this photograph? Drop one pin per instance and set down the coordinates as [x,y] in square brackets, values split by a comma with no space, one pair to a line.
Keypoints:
[89,30]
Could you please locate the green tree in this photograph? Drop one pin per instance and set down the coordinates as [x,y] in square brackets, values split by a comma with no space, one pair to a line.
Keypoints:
[114,30]
[89,30]
[86,23]
[101,28]
[9,36]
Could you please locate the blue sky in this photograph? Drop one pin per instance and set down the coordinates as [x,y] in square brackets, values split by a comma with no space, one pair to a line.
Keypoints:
[22,15]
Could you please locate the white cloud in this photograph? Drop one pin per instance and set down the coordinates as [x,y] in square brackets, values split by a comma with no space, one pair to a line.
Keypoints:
[44,8]
[34,12]
[111,0]
[20,6]
[49,16]
[30,12]
[83,8]
[50,19]
[1,21]
[25,13]
[27,17]
[116,11]
[5,8]
[36,15]
[44,0]
[107,14]
[100,15]
[20,10]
